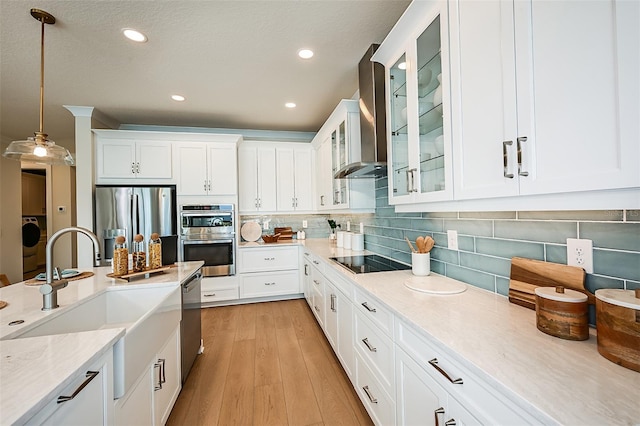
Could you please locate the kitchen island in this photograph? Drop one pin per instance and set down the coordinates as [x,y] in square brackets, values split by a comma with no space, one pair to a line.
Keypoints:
[546,379]
[33,370]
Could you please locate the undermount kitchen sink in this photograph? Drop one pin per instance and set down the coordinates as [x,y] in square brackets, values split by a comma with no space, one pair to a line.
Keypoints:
[148,314]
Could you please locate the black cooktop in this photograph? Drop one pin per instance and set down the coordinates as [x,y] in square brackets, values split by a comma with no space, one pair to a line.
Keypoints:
[369,263]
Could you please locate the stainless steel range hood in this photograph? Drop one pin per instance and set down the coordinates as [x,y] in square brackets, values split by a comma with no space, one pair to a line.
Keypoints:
[373,124]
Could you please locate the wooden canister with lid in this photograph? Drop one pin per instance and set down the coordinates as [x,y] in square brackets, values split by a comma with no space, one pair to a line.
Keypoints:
[618,325]
[562,313]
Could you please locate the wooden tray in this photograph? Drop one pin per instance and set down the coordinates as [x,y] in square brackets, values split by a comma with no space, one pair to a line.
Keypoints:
[80,276]
[133,275]
[285,233]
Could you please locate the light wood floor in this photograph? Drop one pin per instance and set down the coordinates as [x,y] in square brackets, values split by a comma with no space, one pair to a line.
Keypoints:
[266,364]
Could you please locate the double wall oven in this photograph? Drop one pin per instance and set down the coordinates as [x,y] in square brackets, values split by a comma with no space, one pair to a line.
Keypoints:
[208,233]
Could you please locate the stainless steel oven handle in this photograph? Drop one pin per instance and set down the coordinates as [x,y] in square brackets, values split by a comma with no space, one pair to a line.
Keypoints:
[190,242]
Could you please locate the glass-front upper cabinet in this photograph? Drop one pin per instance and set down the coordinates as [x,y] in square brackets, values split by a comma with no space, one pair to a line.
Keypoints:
[418,110]
[339,160]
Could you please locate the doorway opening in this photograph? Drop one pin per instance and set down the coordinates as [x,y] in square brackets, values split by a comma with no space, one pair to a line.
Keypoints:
[34,220]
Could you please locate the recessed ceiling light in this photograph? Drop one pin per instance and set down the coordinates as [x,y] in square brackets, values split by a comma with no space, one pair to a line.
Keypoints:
[290,105]
[305,53]
[402,66]
[134,35]
[178,98]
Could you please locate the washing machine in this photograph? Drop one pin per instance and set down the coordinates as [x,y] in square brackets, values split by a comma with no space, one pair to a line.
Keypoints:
[30,240]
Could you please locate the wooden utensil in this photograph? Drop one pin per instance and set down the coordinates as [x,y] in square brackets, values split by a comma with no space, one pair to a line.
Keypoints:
[410,245]
[420,244]
[527,274]
[428,244]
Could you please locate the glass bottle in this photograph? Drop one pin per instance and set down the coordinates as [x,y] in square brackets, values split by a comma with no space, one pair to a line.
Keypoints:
[120,257]
[155,251]
[139,255]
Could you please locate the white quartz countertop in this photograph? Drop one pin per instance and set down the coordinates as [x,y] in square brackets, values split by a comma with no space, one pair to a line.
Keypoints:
[553,379]
[261,243]
[34,369]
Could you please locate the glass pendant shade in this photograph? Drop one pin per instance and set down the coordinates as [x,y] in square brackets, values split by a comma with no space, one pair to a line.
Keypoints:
[38,149]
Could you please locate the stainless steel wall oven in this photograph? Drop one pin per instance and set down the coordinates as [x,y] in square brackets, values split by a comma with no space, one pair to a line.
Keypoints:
[208,234]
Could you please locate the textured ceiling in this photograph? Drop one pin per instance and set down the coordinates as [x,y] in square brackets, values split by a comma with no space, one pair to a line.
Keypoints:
[235,61]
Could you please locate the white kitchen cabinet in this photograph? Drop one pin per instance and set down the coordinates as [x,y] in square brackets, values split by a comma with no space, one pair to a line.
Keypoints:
[167,378]
[294,178]
[207,168]
[421,401]
[545,96]
[339,326]
[136,407]
[416,58]
[268,271]
[257,177]
[218,289]
[118,158]
[378,403]
[337,144]
[88,400]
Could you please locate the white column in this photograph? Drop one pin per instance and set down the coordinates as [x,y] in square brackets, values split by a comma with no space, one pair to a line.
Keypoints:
[84,157]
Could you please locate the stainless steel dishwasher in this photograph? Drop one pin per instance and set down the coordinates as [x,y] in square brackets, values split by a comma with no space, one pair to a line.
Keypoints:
[190,326]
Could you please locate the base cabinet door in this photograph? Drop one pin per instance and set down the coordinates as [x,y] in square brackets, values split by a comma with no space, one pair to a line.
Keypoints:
[167,378]
[136,408]
[93,404]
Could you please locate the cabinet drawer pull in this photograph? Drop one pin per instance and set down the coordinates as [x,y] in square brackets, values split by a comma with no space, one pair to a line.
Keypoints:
[434,364]
[505,159]
[315,262]
[368,345]
[371,398]
[90,375]
[209,295]
[269,258]
[163,378]
[450,422]
[316,308]
[269,283]
[333,302]
[316,282]
[369,308]
[439,410]
[133,168]
[306,269]
[322,200]
[158,386]
[519,147]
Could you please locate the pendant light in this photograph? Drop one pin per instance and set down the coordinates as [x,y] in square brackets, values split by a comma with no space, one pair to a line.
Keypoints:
[39,149]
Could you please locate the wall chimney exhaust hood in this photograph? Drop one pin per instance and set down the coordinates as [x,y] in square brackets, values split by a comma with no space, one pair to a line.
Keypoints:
[373,122]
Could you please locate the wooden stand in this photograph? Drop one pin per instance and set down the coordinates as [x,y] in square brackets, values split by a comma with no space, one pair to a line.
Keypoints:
[133,275]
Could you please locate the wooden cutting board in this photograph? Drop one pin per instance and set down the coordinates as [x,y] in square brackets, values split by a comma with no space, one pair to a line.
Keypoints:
[527,274]
[285,233]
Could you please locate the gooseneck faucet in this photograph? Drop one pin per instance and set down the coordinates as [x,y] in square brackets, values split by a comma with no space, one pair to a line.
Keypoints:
[50,289]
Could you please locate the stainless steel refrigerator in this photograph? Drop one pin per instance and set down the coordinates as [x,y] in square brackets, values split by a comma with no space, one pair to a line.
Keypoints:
[131,210]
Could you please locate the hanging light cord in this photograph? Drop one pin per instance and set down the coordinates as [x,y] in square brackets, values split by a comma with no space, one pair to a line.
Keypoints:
[42,75]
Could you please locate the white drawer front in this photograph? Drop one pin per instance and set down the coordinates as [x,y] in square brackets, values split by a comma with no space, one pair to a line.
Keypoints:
[378,403]
[376,349]
[375,311]
[477,396]
[208,296]
[269,284]
[220,283]
[268,259]
[340,282]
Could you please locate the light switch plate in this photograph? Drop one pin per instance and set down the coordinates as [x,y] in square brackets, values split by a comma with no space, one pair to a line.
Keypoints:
[580,253]
[452,239]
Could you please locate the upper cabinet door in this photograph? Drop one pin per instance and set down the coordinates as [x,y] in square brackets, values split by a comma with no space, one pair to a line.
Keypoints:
[116,158]
[154,160]
[578,94]
[303,178]
[192,166]
[223,169]
[416,57]
[543,96]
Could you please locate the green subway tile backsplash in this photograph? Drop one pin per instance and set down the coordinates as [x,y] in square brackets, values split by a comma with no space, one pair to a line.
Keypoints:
[488,240]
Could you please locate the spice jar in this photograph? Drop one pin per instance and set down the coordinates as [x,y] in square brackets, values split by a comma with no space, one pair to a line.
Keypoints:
[155,251]
[139,256]
[120,257]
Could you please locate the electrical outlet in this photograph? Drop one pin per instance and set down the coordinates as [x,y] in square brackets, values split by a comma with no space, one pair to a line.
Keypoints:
[452,239]
[304,224]
[580,253]
[265,224]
